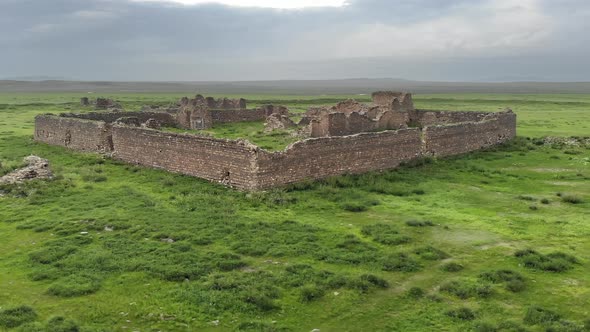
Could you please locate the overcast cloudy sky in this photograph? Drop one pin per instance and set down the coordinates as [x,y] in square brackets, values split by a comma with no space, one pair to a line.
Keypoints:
[192,40]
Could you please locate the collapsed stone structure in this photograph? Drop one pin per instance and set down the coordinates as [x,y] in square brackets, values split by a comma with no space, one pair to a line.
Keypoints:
[37,168]
[349,137]
[100,103]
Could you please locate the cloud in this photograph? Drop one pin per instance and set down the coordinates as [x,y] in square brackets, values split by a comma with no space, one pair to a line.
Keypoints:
[136,40]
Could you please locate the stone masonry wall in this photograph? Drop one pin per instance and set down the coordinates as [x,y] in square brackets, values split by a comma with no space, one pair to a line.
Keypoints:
[238,115]
[165,119]
[219,160]
[245,166]
[446,140]
[76,134]
[423,118]
[328,156]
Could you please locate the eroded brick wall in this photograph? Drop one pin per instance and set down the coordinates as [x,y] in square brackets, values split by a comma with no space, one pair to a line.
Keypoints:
[327,156]
[446,140]
[166,119]
[423,118]
[238,115]
[228,161]
[76,134]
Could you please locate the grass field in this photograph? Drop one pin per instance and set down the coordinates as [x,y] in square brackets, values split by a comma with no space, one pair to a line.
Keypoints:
[490,241]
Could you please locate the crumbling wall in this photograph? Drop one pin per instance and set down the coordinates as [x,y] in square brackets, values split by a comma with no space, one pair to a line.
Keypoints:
[229,116]
[446,140]
[220,160]
[223,103]
[342,124]
[165,119]
[423,118]
[401,101]
[318,158]
[76,134]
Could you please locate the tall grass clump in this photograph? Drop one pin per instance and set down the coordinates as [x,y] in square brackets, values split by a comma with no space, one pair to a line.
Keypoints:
[13,317]
[554,262]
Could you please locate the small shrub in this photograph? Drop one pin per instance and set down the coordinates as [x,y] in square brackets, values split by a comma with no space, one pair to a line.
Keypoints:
[400,262]
[533,207]
[13,317]
[571,199]
[461,313]
[515,286]
[501,276]
[452,267]
[260,301]
[74,285]
[537,315]
[355,207]
[554,262]
[415,293]
[375,281]
[526,198]
[385,234]
[416,223]
[310,293]
[545,201]
[465,289]
[418,192]
[431,253]
[485,327]
[60,324]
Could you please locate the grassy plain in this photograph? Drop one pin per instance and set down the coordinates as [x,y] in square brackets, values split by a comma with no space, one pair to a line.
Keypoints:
[438,246]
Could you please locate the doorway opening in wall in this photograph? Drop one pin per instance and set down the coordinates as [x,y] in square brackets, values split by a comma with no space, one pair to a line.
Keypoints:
[198,123]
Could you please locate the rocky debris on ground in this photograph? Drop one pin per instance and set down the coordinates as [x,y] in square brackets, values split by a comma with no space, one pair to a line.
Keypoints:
[105,103]
[37,168]
[152,124]
[278,121]
[167,240]
[567,141]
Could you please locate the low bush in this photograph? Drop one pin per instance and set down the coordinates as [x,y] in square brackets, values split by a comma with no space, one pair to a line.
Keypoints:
[310,293]
[74,285]
[385,234]
[545,201]
[431,253]
[485,327]
[61,324]
[554,262]
[537,315]
[461,314]
[415,293]
[465,289]
[571,199]
[417,223]
[400,262]
[452,267]
[13,317]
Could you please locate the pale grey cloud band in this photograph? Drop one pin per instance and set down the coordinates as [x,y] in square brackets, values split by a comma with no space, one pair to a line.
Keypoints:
[421,39]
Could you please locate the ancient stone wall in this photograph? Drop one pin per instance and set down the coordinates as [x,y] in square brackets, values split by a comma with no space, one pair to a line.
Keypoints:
[219,160]
[165,119]
[322,157]
[342,124]
[76,134]
[228,116]
[245,166]
[401,101]
[423,118]
[446,140]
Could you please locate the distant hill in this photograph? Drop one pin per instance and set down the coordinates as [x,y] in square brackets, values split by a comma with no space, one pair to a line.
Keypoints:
[315,87]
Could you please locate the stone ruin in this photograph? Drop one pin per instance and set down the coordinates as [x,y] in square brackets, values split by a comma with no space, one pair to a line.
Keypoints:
[101,104]
[347,138]
[37,168]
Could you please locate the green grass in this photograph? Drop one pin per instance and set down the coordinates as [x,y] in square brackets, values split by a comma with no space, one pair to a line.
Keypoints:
[433,246]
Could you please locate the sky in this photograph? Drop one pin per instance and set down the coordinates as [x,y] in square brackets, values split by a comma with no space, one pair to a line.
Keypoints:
[242,40]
